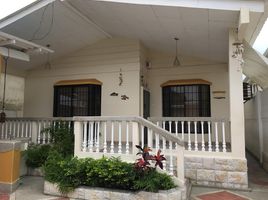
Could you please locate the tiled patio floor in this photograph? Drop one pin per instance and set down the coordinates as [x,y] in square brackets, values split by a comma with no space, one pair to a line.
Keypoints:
[4,196]
[221,195]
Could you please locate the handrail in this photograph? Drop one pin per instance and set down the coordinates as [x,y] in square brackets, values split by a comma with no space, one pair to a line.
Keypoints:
[188,119]
[141,120]
[41,118]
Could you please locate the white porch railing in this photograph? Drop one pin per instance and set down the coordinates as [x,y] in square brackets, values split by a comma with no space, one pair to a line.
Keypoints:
[117,136]
[198,133]
[31,128]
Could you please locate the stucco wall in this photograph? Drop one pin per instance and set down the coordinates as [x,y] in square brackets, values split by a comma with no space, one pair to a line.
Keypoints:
[161,70]
[251,127]
[256,120]
[101,61]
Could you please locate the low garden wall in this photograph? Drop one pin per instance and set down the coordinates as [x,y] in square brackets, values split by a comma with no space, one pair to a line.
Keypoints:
[103,193]
[217,172]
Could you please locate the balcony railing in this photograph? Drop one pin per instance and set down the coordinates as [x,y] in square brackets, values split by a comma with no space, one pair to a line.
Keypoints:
[117,136]
[198,133]
[104,136]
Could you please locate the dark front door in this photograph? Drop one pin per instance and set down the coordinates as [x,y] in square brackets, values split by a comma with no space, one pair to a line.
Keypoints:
[146,112]
[146,104]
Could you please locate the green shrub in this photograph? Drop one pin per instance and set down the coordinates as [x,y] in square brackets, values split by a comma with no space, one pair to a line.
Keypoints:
[62,141]
[70,173]
[153,181]
[36,155]
[62,138]
[111,173]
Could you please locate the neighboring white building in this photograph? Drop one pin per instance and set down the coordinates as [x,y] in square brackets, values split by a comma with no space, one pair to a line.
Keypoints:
[111,55]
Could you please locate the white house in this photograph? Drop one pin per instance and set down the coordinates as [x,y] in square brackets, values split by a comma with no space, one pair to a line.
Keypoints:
[114,61]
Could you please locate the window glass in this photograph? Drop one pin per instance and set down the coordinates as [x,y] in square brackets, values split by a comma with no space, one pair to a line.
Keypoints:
[77,100]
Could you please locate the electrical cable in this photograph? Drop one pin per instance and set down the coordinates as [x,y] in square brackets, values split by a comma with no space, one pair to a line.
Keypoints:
[34,37]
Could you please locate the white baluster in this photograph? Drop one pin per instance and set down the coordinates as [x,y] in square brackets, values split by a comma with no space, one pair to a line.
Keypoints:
[182,131]
[223,137]
[164,149]
[30,129]
[195,137]
[171,167]
[26,128]
[18,129]
[95,135]
[105,138]
[209,138]
[157,141]
[176,128]
[22,129]
[48,133]
[189,137]
[38,132]
[169,126]
[112,139]
[44,132]
[150,138]
[98,137]
[14,128]
[84,143]
[127,138]
[202,131]
[2,130]
[10,128]
[120,138]
[164,125]
[91,135]
[142,136]
[216,137]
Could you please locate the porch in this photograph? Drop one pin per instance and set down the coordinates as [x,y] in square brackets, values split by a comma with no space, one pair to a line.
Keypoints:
[117,136]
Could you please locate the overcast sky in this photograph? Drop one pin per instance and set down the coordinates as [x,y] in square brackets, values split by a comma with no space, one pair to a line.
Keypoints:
[10,6]
[261,43]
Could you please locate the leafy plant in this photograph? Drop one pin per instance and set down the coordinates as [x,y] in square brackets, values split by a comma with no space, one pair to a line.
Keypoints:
[152,181]
[62,141]
[69,173]
[143,163]
[62,137]
[36,155]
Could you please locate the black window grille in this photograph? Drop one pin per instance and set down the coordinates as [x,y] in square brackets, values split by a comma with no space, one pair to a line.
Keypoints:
[77,100]
[186,101]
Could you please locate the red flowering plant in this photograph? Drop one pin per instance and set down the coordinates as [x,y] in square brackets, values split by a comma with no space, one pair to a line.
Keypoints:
[143,163]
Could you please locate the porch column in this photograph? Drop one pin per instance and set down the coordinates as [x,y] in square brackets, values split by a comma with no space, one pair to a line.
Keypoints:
[237,127]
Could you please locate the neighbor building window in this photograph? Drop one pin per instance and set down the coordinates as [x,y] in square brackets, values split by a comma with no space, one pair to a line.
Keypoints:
[77,100]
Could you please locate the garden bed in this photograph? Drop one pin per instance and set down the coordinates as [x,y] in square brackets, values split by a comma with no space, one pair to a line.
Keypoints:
[104,193]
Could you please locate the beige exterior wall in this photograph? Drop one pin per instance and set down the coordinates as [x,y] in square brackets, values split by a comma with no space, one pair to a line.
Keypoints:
[256,122]
[101,61]
[252,127]
[162,71]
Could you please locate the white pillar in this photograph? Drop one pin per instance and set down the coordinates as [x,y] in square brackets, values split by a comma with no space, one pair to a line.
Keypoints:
[77,137]
[237,126]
